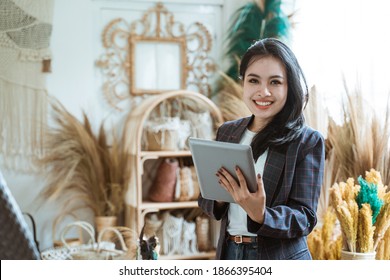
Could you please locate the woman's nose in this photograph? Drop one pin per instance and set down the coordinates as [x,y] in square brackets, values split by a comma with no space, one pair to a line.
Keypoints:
[263,91]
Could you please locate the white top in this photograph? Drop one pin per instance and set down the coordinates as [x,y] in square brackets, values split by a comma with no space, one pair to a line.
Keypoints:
[237,216]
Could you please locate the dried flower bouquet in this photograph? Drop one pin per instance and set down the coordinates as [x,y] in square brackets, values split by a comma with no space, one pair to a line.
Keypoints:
[82,169]
[363,211]
[325,242]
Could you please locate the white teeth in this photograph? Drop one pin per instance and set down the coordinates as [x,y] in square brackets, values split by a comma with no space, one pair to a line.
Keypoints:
[263,103]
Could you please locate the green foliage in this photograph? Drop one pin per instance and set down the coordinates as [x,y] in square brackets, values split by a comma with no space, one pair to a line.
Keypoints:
[250,24]
[243,32]
[369,194]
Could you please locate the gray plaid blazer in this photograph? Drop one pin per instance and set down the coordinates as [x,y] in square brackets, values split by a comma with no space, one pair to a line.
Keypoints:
[292,181]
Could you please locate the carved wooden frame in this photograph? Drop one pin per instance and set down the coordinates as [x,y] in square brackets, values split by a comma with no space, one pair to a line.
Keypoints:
[117,63]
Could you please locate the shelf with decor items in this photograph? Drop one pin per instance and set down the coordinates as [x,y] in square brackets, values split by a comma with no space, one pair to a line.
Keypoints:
[163,187]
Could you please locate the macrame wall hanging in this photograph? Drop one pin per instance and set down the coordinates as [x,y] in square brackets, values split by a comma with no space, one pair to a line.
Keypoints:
[25,30]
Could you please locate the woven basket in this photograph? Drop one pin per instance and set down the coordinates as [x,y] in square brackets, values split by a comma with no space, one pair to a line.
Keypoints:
[162,134]
[73,241]
[162,141]
[67,252]
[101,252]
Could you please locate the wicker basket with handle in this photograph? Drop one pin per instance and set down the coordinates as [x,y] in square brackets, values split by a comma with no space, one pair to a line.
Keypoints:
[67,251]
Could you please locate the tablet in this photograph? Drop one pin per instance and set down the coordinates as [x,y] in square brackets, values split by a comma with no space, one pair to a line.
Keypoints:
[209,156]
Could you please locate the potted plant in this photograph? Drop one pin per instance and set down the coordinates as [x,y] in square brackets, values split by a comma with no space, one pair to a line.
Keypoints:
[82,169]
[363,211]
[359,143]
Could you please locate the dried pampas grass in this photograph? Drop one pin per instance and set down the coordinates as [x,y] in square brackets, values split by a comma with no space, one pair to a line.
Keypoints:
[325,243]
[363,212]
[342,197]
[361,142]
[81,169]
[230,99]
[315,113]
[316,245]
[382,224]
[365,240]
[383,249]
[316,116]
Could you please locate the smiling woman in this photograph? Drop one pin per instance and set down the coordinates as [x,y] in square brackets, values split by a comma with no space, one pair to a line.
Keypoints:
[273,222]
[265,89]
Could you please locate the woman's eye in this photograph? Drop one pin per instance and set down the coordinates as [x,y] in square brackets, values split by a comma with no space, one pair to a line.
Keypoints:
[252,81]
[276,82]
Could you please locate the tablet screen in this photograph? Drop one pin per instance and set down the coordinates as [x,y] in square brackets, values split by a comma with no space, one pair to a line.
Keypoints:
[209,156]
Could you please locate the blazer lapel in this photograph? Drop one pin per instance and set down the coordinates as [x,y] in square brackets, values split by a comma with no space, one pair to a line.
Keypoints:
[235,137]
[273,169]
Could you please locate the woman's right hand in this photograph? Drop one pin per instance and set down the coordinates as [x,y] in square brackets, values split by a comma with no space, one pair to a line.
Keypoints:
[252,203]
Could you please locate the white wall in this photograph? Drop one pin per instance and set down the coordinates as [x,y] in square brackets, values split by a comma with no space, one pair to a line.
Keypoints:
[75,82]
[346,38]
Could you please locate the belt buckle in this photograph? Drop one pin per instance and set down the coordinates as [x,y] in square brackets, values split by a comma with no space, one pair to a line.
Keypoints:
[238,239]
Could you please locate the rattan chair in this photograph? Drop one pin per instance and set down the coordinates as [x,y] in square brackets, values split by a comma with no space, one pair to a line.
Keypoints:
[16,239]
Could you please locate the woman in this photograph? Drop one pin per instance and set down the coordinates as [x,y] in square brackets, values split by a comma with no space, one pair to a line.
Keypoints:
[273,222]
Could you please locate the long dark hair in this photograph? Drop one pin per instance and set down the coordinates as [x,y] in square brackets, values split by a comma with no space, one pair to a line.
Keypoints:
[287,125]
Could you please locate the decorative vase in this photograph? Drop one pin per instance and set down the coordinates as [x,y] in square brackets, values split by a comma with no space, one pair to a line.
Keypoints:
[346,255]
[102,222]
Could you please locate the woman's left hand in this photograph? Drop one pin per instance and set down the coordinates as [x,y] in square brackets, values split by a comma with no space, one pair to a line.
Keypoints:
[252,203]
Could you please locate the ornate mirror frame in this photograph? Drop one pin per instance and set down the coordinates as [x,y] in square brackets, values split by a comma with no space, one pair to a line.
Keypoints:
[119,62]
[136,68]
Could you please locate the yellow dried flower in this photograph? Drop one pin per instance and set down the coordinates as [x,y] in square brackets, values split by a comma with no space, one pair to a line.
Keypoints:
[354,210]
[333,252]
[383,249]
[347,226]
[328,226]
[351,182]
[315,244]
[322,241]
[335,195]
[344,193]
[374,177]
[351,190]
[382,224]
[358,232]
[365,229]
[386,197]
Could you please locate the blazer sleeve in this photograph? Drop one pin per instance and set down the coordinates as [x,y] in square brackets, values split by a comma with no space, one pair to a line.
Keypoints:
[210,207]
[297,217]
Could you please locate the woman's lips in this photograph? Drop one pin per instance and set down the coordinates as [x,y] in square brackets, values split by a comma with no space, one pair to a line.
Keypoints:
[263,103]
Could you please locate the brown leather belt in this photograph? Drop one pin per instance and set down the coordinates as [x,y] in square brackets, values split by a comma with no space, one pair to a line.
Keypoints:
[238,239]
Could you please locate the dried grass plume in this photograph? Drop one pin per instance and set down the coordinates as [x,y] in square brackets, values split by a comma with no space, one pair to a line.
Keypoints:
[82,170]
